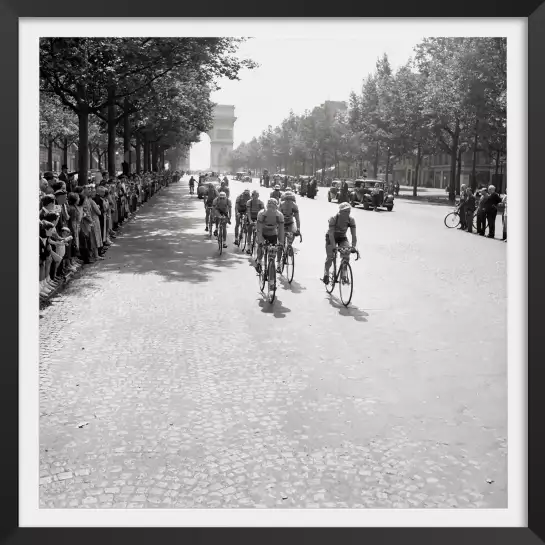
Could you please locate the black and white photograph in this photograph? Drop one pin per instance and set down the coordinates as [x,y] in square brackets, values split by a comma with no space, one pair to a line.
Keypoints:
[273,269]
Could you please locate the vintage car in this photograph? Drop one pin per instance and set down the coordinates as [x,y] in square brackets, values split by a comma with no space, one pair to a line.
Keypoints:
[201,189]
[301,185]
[333,193]
[364,193]
[247,179]
[239,176]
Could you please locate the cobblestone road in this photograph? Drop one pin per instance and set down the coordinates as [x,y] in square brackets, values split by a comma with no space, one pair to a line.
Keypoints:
[166,380]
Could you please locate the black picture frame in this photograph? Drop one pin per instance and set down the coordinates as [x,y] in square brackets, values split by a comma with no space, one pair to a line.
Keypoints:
[11,11]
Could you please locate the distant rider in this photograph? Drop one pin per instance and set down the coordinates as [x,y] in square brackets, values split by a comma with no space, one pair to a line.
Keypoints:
[241,206]
[253,207]
[222,207]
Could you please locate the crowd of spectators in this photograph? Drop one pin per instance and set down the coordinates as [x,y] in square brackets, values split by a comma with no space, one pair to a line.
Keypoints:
[78,222]
[484,206]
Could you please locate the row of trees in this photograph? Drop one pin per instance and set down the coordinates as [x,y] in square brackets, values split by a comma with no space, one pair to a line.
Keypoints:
[450,98]
[153,94]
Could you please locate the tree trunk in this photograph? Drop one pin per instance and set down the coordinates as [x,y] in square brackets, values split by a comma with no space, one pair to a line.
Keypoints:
[127,135]
[154,156]
[497,180]
[458,171]
[138,150]
[387,166]
[111,130]
[453,158]
[50,154]
[65,152]
[375,163]
[474,169]
[83,145]
[99,155]
[90,157]
[417,170]
[304,165]
[323,167]
[146,153]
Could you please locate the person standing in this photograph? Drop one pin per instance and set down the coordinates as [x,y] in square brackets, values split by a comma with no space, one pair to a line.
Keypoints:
[462,208]
[504,218]
[469,209]
[481,212]
[491,210]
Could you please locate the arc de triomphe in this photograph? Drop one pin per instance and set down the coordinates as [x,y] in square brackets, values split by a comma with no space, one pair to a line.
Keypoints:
[221,137]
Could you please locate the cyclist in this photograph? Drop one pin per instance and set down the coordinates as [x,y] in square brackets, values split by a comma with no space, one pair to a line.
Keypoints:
[209,196]
[270,228]
[336,235]
[225,188]
[290,210]
[221,207]
[253,206]
[276,194]
[241,206]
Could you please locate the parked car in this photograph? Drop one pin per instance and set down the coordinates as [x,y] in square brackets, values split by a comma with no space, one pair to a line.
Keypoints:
[201,189]
[364,194]
[240,176]
[333,193]
[247,179]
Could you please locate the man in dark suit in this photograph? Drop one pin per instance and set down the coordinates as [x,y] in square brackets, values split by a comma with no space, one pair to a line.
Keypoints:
[491,210]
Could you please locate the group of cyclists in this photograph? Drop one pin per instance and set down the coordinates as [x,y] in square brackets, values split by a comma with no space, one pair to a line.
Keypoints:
[272,221]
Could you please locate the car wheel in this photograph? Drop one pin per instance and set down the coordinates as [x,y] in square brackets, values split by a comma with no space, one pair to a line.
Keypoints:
[389,208]
[366,206]
[329,197]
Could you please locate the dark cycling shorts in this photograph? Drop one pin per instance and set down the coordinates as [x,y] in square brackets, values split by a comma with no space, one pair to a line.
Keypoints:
[271,239]
[338,240]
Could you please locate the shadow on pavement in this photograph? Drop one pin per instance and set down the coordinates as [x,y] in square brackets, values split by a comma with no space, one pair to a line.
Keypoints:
[294,287]
[351,311]
[276,309]
[168,239]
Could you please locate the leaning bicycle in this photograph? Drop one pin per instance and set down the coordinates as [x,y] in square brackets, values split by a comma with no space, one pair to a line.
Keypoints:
[267,273]
[452,219]
[342,274]
[288,256]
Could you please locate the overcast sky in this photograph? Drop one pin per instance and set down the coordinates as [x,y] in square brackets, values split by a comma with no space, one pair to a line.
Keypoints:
[298,74]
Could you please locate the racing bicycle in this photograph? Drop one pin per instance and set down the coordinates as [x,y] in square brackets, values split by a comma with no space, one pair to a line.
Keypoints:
[222,232]
[210,221]
[342,274]
[252,244]
[243,235]
[267,274]
[288,256]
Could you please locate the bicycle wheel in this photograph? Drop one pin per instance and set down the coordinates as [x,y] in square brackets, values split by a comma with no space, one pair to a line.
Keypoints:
[263,275]
[330,286]
[220,237]
[290,264]
[452,220]
[284,255]
[346,283]
[243,239]
[271,282]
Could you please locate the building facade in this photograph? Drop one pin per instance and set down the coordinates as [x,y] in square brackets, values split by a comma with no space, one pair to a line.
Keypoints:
[435,171]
